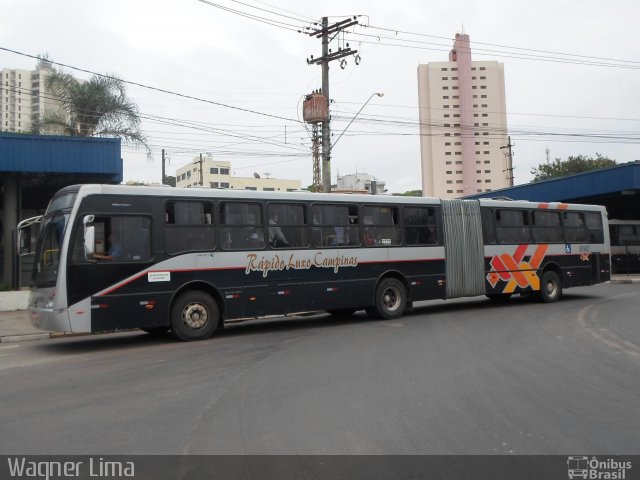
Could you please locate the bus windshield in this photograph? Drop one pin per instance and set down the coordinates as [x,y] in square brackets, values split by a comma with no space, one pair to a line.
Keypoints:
[47,258]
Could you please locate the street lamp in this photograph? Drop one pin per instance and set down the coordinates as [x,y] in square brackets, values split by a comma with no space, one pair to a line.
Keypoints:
[380,94]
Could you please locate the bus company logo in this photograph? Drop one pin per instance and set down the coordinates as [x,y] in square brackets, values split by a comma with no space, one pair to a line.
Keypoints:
[280,263]
[596,469]
[514,270]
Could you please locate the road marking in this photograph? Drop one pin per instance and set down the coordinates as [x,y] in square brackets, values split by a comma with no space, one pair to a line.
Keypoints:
[588,319]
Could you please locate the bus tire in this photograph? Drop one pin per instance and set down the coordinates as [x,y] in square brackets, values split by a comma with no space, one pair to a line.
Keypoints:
[194,316]
[390,299]
[550,287]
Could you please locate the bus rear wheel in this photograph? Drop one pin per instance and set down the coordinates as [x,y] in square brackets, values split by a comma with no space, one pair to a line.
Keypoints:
[550,286]
[194,316]
[390,299]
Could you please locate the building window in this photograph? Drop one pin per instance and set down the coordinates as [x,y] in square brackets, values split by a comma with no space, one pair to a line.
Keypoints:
[484,105]
[446,144]
[454,78]
[444,69]
[445,78]
[224,185]
[482,68]
[268,189]
[224,171]
[483,96]
[445,106]
[445,97]
[449,181]
[483,78]
[449,191]
[213,170]
[483,87]
[214,184]
[447,153]
[445,88]
[449,172]
[487,171]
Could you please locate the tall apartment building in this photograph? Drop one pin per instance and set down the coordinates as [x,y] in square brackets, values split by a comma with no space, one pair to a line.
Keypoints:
[23,95]
[217,174]
[463,124]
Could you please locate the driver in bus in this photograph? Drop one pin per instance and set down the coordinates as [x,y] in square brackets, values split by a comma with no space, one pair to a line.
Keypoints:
[116,251]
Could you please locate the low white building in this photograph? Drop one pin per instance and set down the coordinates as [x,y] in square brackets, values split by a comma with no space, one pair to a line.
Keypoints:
[359,183]
[212,173]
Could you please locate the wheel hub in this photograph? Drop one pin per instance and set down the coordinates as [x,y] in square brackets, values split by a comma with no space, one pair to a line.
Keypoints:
[195,316]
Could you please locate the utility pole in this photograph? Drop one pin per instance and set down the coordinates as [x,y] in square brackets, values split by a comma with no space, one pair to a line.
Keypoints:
[509,156]
[164,177]
[327,56]
[201,179]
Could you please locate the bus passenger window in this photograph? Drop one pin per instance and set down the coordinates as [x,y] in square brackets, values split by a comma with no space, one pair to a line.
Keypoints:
[420,226]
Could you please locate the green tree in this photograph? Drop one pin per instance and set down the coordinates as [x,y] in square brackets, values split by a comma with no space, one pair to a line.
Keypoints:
[168,180]
[409,193]
[570,166]
[98,107]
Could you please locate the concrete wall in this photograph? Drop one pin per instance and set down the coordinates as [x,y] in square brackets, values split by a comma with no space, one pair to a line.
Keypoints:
[11,301]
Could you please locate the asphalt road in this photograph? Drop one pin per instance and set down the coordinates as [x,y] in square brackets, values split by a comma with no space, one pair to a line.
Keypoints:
[458,377]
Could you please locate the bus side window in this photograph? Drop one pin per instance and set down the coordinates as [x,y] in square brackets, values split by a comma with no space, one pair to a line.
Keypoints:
[574,227]
[595,230]
[241,226]
[420,226]
[488,227]
[189,226]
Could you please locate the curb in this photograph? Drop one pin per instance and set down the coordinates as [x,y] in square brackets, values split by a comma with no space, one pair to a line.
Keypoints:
[27,336]
[626,280]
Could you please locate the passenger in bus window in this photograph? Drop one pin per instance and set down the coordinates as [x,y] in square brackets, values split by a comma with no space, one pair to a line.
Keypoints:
[276,237]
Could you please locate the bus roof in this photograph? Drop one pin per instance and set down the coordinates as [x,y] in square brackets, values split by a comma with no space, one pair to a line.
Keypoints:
[231,194]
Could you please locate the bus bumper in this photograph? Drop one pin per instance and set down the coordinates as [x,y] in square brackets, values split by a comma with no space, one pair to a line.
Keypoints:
[49,319]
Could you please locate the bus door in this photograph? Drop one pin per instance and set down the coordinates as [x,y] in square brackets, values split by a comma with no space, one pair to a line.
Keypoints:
[464,248]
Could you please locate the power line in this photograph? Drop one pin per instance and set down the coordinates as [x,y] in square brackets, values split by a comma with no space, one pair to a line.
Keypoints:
[156,89]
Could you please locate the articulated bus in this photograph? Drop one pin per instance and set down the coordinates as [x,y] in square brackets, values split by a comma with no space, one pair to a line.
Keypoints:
[625,246]
[112,257]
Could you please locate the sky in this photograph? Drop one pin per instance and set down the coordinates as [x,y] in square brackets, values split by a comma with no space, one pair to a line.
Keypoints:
[571,76]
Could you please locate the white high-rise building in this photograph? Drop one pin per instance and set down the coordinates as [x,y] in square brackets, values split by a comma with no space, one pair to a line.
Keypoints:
[22,96]
[463,125]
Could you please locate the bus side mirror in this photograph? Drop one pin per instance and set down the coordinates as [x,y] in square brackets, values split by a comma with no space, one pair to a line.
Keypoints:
[24,242]
[27,232]
[89,237]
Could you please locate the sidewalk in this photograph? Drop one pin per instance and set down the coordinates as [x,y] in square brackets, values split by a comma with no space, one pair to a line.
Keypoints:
[15,326]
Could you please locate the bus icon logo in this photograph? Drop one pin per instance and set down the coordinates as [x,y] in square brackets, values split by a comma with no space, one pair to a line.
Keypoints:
[578,466]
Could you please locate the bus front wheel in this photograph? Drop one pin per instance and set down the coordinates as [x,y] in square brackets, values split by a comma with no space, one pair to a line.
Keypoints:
[194,316]
[390,298]
[550,286]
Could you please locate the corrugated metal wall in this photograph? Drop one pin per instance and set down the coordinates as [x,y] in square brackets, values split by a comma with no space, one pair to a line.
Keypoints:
[59,154]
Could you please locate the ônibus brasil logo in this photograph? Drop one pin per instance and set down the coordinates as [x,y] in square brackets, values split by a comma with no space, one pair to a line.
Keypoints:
[596,469]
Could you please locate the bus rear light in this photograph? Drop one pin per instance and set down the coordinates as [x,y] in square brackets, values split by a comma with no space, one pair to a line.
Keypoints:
[253,299]
[284,292]
[418,282]
[332,289]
